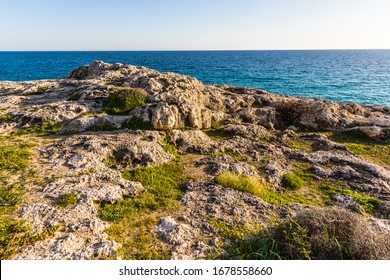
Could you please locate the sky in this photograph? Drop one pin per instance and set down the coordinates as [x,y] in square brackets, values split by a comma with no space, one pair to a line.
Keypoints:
[194,24]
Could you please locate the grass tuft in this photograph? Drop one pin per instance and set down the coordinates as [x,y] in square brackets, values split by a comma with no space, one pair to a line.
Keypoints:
[15,235]
[40,90]
[241,183]
[42,129]
[135,123]
[134,219]
[74,97]
[296,179]
[102,127]
[169,148]
[6,118]
[124,100]
[14,156]
[370,204]
[253,186]
[67,199]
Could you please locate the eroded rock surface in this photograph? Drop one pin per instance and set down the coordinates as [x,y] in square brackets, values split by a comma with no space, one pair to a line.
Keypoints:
[217,128]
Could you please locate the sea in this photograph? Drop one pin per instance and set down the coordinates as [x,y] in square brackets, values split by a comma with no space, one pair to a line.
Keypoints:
[360,76]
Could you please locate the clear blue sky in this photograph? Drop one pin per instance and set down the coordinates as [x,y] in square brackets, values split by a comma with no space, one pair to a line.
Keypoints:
[193,24]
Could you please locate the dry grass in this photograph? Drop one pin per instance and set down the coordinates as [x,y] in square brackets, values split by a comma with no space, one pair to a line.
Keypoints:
[331,233]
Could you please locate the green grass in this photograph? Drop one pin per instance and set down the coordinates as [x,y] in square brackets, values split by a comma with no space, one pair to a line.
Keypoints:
[102,127]
[241,242]
[74,97]
[218,134]
[6,118]
[42,129]
[216,124]
[15,235]
[360,144]
[240,183]
[169,148]
[134,219]
[296,179]
[122,101]
[302,144]
[11,195]
[292,181]
[111,161]
[135,123]
[370,204]
[318,233]
[40,90]
[253,186]
[67,199]
[14,156]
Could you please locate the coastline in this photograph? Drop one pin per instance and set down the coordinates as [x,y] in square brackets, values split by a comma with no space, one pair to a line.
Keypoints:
[221,157]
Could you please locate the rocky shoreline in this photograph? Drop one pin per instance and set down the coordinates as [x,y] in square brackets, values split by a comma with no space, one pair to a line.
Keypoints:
[302,154]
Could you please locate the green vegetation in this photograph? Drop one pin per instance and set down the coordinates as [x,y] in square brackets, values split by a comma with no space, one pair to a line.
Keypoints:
[111,161]
[169,148]
[6,118]
[14,156]
[135,123]
[102,127]
[369,204]
[264,161]
[240,242]
[241,183]
[10,195]
[329,233]
[216,124]
[15,235]
[302,144]
[218,134]
[296,179]
[292,181]
[40,90]
[42,129]
[360,144]
[124,100]
[321,234]
[67,199]
[254,186]
[135,218]
[74,97]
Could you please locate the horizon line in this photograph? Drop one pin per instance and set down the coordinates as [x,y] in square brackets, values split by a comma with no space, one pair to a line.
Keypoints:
[198,50]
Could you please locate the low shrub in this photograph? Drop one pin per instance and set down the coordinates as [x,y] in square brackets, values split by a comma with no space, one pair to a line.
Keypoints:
[122,101]
[330,233]
[135,123]
[67,199]
[292,181]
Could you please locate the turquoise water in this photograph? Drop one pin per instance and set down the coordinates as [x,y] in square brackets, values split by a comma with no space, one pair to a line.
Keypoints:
[361,76]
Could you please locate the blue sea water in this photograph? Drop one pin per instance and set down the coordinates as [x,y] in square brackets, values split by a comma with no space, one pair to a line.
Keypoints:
[361,76]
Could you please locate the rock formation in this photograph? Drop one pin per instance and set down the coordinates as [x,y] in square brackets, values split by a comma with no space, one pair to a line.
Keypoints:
[225,129]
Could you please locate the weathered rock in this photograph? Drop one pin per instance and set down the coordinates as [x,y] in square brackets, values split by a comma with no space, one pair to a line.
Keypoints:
[220,164]
[251,131]
[89,152]
[188,141]
[252,141]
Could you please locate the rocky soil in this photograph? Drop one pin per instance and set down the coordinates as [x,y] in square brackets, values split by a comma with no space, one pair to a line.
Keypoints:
[215,128]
